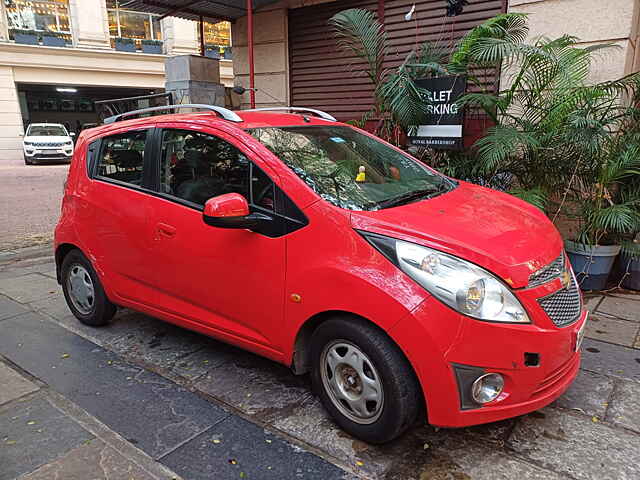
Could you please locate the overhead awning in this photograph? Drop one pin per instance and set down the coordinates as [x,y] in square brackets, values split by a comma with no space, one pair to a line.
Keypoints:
[229,10]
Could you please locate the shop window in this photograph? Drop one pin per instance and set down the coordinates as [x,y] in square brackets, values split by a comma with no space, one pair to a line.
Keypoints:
[216,36]
[134,25]
[39,16]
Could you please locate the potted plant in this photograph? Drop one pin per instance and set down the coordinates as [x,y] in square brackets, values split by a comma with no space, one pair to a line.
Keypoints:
[53,39]
[125,44]
[212,51]
[27,37]
[152,46]
[607,212]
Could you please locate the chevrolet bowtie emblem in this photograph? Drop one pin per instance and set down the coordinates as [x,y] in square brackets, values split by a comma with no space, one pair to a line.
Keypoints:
[565,278]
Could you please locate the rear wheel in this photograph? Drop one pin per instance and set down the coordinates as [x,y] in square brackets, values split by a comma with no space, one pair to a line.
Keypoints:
[364,380]
[83,291]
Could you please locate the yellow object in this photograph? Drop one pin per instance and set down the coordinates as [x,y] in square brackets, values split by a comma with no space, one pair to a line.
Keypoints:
[361,177]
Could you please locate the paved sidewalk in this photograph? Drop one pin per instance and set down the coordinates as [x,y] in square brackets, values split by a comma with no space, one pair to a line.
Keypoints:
[237,399]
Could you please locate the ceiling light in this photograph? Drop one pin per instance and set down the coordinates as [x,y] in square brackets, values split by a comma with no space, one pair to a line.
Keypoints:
[67,90]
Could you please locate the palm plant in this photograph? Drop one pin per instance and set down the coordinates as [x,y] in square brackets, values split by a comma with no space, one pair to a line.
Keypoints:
[550,125]
[398,102]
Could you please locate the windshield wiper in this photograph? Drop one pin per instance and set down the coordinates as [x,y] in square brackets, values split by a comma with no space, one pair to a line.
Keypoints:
[414,195]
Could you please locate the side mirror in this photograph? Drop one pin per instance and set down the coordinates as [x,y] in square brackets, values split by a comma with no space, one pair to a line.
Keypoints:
[21,134]
[231,210]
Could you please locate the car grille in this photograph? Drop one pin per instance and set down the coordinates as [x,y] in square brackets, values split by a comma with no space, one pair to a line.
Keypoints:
[547,273]
[563,307]
[47,144]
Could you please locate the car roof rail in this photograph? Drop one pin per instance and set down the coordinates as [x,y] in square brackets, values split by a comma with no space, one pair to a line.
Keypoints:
[319,113]
[223,112]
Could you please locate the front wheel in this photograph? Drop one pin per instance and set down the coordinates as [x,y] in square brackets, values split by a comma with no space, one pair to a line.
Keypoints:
[364,380]
[83,291]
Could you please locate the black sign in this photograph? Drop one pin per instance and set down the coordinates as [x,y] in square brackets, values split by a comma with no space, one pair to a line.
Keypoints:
[443,126]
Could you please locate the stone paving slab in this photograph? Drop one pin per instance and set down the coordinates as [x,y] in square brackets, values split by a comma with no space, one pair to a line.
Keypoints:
[590,393]
[591,303]
[235,448]
[9,308]
[91,460]
[472,461]
[212,355]
[156,343]
[35,433]
[25,268]
[29,288]
[580,448]
[255,385]
[13,385]
[621,307]
[612,330]
[145,408]
[624,409]
[609,359]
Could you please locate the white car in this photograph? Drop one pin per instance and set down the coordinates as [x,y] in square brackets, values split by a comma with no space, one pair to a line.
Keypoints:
[47,142]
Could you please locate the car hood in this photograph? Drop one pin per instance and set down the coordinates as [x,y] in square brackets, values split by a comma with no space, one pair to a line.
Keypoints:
[495,230]
[47,139]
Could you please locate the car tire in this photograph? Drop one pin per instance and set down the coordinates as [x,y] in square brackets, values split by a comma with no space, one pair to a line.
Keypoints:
[376,404]
[27,160]
[83,291]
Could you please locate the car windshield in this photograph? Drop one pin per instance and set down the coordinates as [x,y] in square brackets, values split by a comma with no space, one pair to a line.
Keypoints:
[352,170]
[47,131]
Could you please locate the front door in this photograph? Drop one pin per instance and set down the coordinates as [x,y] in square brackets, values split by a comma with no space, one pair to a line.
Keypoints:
[229,280]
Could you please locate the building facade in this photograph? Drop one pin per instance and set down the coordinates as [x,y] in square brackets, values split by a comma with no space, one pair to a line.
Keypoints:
[58,56]
[297,62]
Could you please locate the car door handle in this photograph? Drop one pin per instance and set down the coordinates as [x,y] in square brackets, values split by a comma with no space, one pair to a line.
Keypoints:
[165,230]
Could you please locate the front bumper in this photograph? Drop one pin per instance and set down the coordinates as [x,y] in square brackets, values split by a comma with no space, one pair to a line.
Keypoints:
[454,339]
[42,154]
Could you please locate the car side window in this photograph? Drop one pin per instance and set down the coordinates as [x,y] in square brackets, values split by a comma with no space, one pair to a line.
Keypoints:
[196,166]
[122,156]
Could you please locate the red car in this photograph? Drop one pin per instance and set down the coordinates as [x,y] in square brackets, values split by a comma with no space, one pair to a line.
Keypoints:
[403,292]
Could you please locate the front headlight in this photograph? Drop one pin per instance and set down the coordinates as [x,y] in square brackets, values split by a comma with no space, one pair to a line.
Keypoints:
[463,286]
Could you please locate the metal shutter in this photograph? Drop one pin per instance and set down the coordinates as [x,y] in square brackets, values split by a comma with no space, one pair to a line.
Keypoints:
[321,77]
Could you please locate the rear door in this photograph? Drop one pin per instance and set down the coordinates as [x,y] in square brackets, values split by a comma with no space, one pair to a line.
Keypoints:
[114,212]
[229,280]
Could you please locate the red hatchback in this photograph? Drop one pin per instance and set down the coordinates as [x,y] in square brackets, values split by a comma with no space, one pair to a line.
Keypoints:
[321,247]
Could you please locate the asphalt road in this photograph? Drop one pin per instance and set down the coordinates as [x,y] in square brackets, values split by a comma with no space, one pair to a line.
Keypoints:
[30,199]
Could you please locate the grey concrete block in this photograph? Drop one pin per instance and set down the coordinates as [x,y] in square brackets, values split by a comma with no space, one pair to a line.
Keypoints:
[575,445]
[34,433]
[13,385]
[192,67]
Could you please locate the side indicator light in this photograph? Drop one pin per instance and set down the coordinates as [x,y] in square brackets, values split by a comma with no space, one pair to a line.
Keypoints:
[295,298]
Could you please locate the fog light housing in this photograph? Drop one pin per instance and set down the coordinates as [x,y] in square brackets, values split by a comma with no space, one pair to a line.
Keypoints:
[487,387]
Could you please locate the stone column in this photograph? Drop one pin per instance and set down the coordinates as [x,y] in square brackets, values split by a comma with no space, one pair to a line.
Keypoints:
[11,128]
[194,79]
[90,23]
[180,36]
